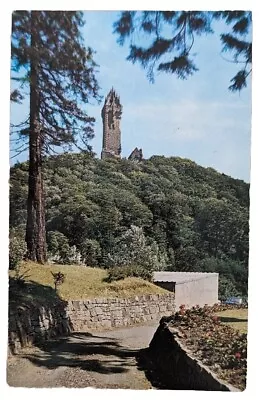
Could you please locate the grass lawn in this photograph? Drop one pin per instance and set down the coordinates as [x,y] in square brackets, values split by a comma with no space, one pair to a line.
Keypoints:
[84,282]
[237,318]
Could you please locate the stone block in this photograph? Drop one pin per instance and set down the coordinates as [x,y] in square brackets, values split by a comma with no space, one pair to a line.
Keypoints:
[86,314]
[75,305]
[98,310]
[106,324]
[117,314]
[93,312]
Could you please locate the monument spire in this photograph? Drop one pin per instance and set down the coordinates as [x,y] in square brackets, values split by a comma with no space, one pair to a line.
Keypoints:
[111,116]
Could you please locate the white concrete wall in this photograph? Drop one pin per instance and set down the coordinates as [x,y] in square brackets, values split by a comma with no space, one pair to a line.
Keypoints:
[199,291]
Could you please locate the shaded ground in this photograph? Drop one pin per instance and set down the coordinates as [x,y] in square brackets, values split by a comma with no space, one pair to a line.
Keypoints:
[96,359]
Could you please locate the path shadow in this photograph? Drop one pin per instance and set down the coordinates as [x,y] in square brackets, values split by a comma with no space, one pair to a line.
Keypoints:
[232,319]
[31,293]
[158,379]
[63,347]
[85,351]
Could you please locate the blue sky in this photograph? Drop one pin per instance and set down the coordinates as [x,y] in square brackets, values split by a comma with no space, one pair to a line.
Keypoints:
[197,118]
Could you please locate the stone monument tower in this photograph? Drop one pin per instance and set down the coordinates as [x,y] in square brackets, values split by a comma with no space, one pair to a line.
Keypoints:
[111,116]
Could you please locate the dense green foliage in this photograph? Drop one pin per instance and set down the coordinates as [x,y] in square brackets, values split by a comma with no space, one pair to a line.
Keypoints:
[125,271]
[162,213]
[17,247]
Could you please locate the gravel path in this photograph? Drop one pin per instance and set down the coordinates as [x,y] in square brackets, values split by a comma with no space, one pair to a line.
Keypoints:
[93,359]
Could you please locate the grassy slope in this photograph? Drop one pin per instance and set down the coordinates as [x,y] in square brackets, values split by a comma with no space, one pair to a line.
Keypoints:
[237,319]
[83,282]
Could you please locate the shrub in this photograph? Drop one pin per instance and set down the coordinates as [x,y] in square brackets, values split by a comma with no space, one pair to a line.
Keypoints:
[58,246]
[226,289]
[17,247]
[59,249]
[91,252]
[117,273]
[58,279]
[132,249]
[75,256]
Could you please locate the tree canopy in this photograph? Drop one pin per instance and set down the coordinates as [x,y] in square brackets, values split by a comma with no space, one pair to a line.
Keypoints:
[65,75]
[166,213]
[51,61]
[169,37]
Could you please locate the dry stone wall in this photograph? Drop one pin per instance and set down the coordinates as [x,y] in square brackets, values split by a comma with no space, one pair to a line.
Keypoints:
[115,312]
[30,325]
[175,366]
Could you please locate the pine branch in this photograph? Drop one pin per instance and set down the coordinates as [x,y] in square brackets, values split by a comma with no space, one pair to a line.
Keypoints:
[171,54]
[19,152]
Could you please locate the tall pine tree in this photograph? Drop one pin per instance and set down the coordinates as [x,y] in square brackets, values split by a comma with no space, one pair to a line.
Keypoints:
[50,58]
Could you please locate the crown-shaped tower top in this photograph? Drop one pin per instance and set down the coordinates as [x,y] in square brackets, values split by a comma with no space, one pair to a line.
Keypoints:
[112,97]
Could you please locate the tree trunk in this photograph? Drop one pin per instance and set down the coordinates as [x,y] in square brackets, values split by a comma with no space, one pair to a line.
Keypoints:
[35,228]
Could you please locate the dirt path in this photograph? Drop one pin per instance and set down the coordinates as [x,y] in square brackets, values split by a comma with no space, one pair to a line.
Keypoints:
[93,359]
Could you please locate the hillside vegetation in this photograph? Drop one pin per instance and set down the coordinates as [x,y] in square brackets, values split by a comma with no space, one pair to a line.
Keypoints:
[83,282]
[162,213]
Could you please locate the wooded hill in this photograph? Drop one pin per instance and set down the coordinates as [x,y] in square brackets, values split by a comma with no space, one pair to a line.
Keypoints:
[161,213]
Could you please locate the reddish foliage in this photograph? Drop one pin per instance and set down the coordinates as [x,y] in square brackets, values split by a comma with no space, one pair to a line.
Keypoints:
[220,347]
